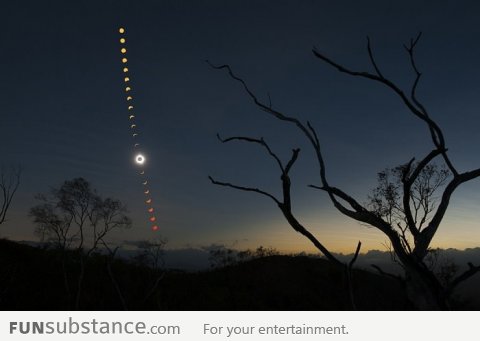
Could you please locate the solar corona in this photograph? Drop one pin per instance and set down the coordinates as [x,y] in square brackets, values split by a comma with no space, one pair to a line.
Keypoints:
[139,157]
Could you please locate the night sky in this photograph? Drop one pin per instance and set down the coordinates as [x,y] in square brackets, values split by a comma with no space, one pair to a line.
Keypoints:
[64,114]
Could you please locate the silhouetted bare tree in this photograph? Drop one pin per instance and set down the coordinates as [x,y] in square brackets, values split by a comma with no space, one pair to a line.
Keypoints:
[75,217]
[9,182]
[152,254]
[388,207]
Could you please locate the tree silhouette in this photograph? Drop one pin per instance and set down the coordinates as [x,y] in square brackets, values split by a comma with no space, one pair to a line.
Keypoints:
[9,182]
[75,217]
[387,208]
[151,255]
[386,199]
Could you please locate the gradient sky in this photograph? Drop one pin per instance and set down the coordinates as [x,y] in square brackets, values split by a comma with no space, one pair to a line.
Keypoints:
[63,111]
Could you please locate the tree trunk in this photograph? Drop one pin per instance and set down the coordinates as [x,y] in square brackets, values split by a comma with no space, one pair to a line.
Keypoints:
[424,290]
[116,286]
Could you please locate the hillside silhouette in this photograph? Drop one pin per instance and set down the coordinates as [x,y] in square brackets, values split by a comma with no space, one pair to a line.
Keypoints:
[32,279]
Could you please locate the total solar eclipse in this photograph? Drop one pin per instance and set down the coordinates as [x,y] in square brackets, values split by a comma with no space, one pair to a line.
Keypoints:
[140,159]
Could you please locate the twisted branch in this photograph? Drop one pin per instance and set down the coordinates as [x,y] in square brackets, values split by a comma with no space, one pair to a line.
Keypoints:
[285,205]
[9,183]
[472,270]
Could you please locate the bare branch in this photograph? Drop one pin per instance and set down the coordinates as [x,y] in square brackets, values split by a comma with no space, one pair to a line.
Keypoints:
[409,103]
[421,165]
[437,135]
[315,141]
[294,157]
[9,183]
[261,105]
[355,256]
[302,230]
[259,141]
[372,59]
[349,273]
[386,274]
[242,188]
[360,213]
[410,49]
[464,276]
[403,236]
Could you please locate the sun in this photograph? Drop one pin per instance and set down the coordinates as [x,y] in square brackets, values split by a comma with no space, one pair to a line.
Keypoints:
[140,159]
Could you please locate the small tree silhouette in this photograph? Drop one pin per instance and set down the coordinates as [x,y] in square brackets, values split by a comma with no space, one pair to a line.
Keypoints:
[9,182]
[151,254]
[74,216]
[389,205]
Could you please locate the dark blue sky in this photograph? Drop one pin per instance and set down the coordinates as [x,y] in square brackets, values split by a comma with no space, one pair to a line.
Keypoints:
[63,111]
